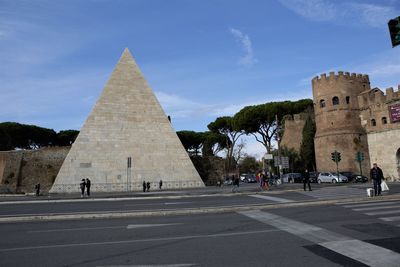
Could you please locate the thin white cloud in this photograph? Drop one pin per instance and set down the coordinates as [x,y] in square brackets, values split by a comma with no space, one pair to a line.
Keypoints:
[320,10]
[348,13]
[248,59]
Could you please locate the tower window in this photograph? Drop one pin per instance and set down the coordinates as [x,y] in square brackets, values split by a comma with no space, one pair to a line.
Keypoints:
[384,120]
[322,103]
[347,99]
[373,122]
[335,100]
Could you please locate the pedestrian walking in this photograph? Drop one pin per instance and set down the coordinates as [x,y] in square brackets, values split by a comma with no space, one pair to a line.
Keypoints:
[82,186]
[88,184]
[306,180]
[148,186]
[160,184]
[37,189]
[235,184]
[144,186]
[376,175]
[261,180]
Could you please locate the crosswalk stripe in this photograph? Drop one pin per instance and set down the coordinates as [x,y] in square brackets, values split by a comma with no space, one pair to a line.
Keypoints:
[376,203]
[361,251]
[378,208]
[391,219]
[276,199]
[327,193]
[382,212]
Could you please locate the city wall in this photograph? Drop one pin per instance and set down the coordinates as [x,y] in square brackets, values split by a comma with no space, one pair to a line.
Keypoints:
[21,170]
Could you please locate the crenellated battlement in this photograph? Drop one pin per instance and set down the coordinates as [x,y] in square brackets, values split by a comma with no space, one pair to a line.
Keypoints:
[377,97]
[362,78]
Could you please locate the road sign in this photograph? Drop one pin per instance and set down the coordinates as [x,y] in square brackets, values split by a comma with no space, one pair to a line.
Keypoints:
[268,156]
[285,162]
[277,161]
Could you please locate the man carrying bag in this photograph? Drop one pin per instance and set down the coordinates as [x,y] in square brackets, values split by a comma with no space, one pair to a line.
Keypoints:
[377,177]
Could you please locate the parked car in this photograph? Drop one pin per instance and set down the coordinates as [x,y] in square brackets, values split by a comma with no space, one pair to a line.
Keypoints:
[250,178]
[293,177]
[349,175]
[329,177]
[358,178]
[313,177]
[243,176]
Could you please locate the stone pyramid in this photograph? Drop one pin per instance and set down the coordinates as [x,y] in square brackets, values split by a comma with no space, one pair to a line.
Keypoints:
[127,121]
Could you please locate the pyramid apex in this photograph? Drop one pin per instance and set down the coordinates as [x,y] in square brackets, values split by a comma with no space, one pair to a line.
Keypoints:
[126,56]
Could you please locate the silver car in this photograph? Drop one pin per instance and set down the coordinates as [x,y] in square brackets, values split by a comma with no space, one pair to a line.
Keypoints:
[330,177]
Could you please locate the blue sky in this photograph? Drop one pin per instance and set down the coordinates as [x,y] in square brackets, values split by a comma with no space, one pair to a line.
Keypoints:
[202,58]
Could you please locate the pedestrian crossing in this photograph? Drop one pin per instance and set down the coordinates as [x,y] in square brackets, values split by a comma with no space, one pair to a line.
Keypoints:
[387,211]
[338,192]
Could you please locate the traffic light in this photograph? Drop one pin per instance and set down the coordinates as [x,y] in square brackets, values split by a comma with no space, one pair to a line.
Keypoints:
[338,156]
[333,156]
[394,29]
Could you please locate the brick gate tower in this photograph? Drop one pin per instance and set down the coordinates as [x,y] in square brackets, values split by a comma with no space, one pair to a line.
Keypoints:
[337,118]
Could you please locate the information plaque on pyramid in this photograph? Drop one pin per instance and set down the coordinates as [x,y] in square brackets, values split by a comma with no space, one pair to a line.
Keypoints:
[127,121]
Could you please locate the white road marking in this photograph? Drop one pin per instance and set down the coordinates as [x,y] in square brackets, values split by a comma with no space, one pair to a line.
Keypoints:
[162,265]
[176,203]
[391,219]
[384,212]
[135,226]
[276,199]
[377,208]
[76,229]
[369,204]
[130,226]
[139,240]
[364,252]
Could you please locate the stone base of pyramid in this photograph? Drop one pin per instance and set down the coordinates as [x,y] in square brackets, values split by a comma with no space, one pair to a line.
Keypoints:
[126,187]
[127,121]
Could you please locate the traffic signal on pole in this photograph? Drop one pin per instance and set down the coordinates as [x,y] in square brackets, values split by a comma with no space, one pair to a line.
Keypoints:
[333,155]
[394,29]
[338,156]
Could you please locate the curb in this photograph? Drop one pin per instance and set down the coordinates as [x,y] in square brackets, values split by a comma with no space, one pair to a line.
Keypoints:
[191,211]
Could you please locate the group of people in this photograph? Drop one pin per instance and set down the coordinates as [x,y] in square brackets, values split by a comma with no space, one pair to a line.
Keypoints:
[85,184]
[146,186]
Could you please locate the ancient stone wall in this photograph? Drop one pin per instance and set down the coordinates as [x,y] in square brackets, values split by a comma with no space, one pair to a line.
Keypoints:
[384,149]
[21,170]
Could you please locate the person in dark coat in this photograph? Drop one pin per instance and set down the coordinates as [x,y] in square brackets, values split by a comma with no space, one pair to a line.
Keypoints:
[88,184]
[144,186]
[376,175]
[82,185]
[160,184]
[148,186]
[306,180]
[37,188]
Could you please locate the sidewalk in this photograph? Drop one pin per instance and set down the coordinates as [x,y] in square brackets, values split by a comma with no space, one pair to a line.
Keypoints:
[208,190]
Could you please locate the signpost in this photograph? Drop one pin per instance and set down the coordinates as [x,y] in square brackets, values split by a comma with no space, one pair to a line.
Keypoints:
[128,174]
[359,159]
[336,157]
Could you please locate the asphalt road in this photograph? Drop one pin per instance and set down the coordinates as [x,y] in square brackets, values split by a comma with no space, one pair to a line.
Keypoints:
[352,234]
[360,233]
[248,197]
